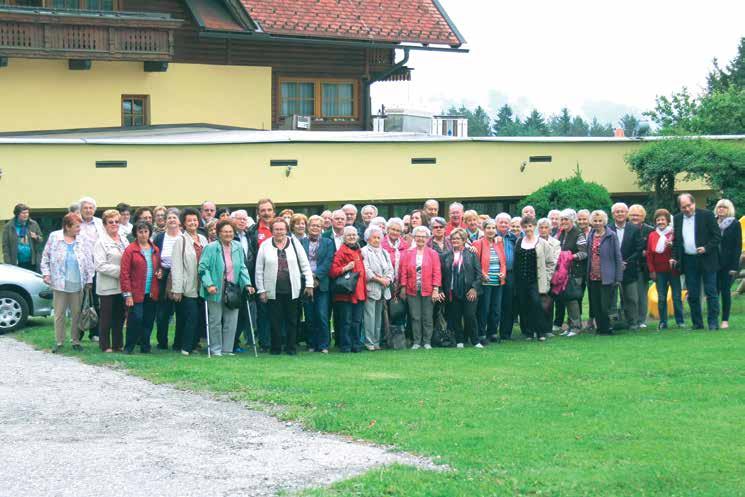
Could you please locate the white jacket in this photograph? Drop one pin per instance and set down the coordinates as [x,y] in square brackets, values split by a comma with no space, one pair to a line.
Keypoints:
[266,268]
[107,258]
[184,263]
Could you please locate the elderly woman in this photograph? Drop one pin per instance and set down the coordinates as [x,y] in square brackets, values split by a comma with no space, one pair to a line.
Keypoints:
[107,256]
[461,284]
[394,244]
[280,264]
[418,218]
[347,262]
[320,251]
[211,229]
[298,226]
[554,217]
[493,262]
[185,281]
[604,269]
[730,249]
[534,267]
[420,279]
[572,240]
[515,226]
[67,267]
[22,240]
[379,274]
[222,262]
[165,241]
[287,214]
[140,271]
[379,222]
[439,242]
[637,216]
[659,250]
[473,226]
[160,214]
[91,229]
[583,222]
[545,233]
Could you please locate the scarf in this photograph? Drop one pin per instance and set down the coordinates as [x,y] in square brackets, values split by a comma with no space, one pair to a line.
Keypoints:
[662,240]
[21,229]
[725,223]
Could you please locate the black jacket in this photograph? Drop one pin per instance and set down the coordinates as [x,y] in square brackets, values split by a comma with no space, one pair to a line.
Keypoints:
[467,278]
[631,250]
[707,235]
[646,230]
[574,241]
[730,248]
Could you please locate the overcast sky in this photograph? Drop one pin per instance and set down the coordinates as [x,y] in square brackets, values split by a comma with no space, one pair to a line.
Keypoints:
[597,58]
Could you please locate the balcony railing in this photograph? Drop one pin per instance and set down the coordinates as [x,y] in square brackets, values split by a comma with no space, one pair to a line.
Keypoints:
[74,34]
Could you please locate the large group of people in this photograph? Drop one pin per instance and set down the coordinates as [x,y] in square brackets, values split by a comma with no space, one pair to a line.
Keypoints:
[285,278]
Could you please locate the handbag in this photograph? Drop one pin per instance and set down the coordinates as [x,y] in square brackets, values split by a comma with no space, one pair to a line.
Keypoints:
[573,290]
[231,292]
[346,284]
[88,316]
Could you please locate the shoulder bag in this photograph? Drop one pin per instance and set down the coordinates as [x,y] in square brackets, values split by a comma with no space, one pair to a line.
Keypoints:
[231,292]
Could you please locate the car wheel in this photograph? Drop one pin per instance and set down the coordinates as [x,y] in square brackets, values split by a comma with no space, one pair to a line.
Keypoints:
[13,311]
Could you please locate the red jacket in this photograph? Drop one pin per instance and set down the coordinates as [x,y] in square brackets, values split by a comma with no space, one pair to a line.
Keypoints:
[431,271]
[342,257]
[658,263]
[450,227]
[482,252]
[134,271]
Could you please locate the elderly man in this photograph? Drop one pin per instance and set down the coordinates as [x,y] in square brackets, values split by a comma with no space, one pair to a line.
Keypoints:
[696,252]
[350,211]
[432,208]
[455,218]
[258,234]
[528,211]
[326,215]
[368,212]
[336,232]
[207,212]
[507,318]
[630,240]
[90,230]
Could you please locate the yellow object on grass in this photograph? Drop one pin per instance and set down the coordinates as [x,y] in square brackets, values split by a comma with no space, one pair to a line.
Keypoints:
[652,301]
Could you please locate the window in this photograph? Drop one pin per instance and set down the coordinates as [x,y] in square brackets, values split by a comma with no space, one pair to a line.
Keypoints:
[66,4]
[320,98]
[135,110]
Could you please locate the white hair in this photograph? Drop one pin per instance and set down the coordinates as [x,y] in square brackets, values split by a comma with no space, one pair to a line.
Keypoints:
[568,214]
[603,215]
[349,229]
[349,206]
[423,229]
[457,205]
[338,211]
[503,215]
[395,220]
[370,207]
[619,205]
[239,212]
[543,221]
[586,212]
[554,212]
[378,220]
[251,221]
[432,201]
[372,229]
[528,207]
[516,218]
[87,200]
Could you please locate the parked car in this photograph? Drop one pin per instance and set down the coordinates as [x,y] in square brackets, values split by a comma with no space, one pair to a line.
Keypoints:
[23,293]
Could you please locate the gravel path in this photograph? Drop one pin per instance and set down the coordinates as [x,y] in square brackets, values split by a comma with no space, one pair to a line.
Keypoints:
[71,429]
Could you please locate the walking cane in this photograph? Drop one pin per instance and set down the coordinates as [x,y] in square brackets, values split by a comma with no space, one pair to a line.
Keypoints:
[207,321]
[251,326]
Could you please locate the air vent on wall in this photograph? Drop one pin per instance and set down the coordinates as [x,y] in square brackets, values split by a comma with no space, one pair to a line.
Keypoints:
[424,160]
[111,163]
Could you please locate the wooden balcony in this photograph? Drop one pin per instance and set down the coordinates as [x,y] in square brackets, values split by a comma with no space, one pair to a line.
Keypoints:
[75,34]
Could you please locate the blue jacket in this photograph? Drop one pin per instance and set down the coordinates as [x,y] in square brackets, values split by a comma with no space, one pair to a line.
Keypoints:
[611,261]
[324,257]
[211,269]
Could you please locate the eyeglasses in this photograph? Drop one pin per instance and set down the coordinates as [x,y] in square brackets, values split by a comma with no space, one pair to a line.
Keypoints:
[112,221]
[438,227]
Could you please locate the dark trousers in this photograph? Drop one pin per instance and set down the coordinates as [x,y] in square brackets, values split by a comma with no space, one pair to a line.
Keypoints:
[559,313]
[663,282]
[187,313]
[317,320]
[724,286]
[507,318]
[111,321]
[350,317]
[140,325]
[532,316]
[284,311]
[600,302]
[263,324]
[694,276]
[490,308]
[29,266]
[462,312]
[166,309]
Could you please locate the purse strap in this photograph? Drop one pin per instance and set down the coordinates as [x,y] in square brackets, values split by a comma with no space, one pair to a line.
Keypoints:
[224,263]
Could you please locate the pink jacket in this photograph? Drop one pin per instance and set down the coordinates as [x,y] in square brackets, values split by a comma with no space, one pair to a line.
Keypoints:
[431,271]
[560,279]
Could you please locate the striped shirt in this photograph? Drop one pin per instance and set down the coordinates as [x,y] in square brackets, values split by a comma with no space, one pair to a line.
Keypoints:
[493,274]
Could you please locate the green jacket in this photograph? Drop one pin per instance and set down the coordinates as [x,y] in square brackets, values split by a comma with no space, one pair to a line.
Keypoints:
[212,268]
[10,242]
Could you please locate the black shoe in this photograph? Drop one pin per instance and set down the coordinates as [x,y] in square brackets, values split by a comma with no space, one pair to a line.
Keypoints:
[662,326]
[128,351]
[162,347]
[275,352]
[292,352]
[145,351]
[77,347]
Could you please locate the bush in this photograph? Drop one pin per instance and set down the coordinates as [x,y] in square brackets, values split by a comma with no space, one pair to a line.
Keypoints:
[574,192]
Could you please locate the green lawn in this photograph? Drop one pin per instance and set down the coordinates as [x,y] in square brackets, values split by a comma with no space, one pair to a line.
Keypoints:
[640,413]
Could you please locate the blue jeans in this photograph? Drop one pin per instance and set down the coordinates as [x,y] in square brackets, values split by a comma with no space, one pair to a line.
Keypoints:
[490,310]
[317,320]
[263,324]
[694,275]
[508,295]
[166,308]
[663,282]
[351,318]
[140,325]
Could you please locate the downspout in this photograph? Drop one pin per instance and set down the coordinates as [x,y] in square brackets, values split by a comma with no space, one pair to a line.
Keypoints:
[367,110]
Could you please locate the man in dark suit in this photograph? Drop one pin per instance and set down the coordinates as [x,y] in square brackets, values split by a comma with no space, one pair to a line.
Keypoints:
[630,238]
[696,252]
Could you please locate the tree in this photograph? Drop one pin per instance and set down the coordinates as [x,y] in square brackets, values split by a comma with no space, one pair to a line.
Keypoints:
[674,115]
[733,75]
[573,192]
[597,129]
[479,123]
[579,127]
[629,123]
[535,125]
[561,125]
[504,121]
[721,113]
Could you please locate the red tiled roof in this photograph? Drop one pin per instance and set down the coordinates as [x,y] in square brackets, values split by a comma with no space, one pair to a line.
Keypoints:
[415,21]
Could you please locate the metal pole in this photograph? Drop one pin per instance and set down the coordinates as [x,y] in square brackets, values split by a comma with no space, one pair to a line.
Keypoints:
[207,321]
[251,327]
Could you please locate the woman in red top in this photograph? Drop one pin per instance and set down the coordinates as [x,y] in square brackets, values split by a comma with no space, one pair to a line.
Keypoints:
[659,250]
[348,261]
[420,280]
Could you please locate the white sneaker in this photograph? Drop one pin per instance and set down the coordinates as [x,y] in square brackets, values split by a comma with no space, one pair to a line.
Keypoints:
[643,325]
[427,346]
[549,335]
[94,338]
[564,333]
[183,352]
[572,334]
[555,328]
[416,346]
[541,339]
[479,346]
[459,346]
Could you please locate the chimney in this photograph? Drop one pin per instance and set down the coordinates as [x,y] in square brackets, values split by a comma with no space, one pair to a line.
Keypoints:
[618,133]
